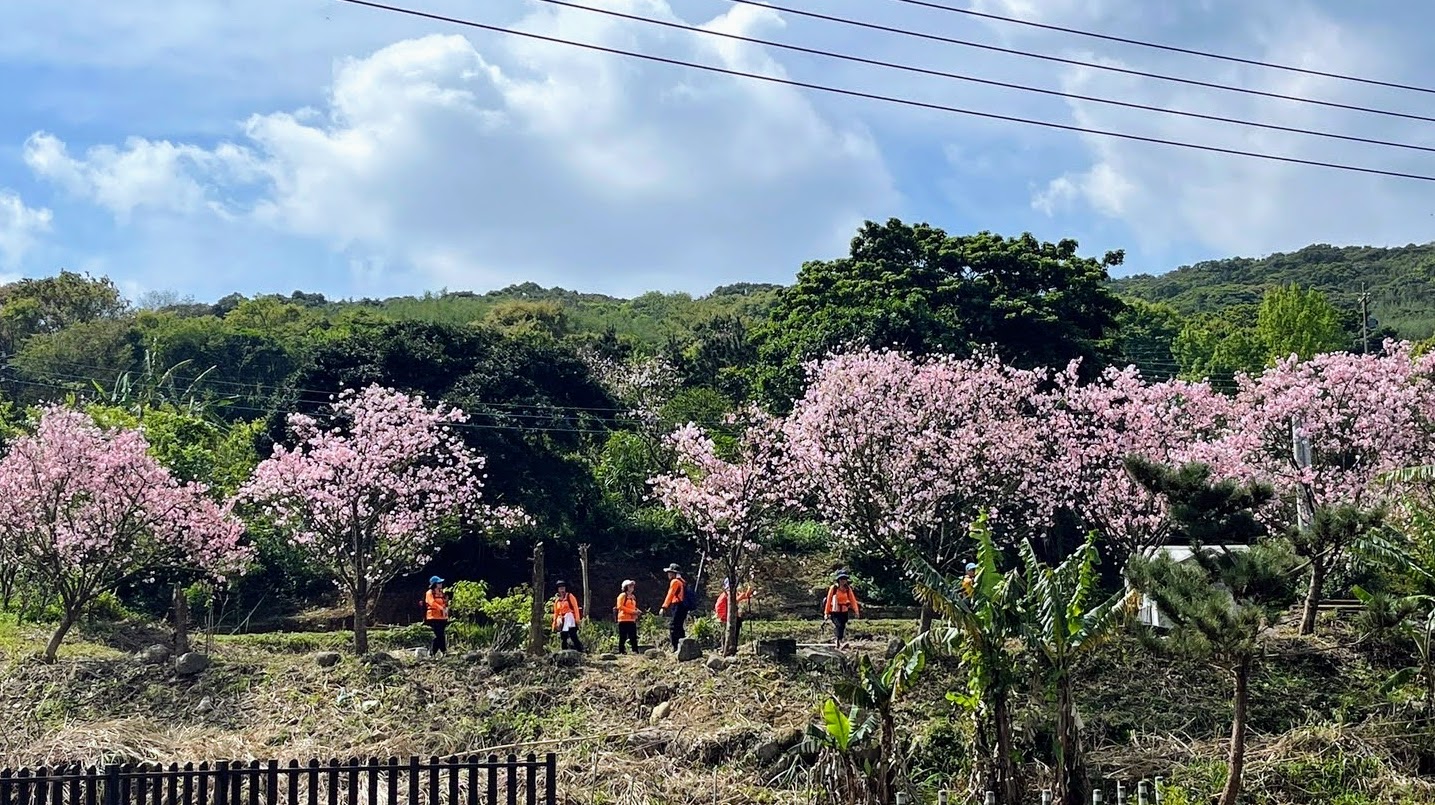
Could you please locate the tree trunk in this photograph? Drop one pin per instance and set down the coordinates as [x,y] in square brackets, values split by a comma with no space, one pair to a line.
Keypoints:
[1318,569]
[535,614]
[1070,780]
[729,640]
[1008,783]
[587,595]
[1236,759]
[924,624]
[181,621]
[52,649]
[361,616]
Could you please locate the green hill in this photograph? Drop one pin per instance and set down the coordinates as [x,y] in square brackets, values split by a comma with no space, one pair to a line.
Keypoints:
[1400,280]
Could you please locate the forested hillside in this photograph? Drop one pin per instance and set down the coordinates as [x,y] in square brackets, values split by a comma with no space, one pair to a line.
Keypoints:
[1400,280]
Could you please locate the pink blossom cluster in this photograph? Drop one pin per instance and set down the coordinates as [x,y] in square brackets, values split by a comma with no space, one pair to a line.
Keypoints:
[370,496]
[644,384]
[892,447]
[733,501]
[85,508]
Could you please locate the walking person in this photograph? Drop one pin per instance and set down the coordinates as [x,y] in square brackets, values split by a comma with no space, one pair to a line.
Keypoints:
[436,616]
[627,612]
[841,605]
[736,606]
[677,604]
[969,580]
[566,617]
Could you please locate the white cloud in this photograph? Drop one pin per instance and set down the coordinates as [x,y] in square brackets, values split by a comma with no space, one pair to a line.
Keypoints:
[528,160]
[1231,204]
[20,227]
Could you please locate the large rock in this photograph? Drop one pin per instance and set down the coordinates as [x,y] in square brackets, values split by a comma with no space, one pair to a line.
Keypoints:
[717,663]
[660,712]
[654,695]
[895,646]
[824,659]
[158,654]
[191,664]
[781,648]
[689,650]
[503,660]
[327,659]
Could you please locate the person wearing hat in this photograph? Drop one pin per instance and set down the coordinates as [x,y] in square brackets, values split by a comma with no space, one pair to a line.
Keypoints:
[627,613]
[676,603]
[566,617]
[841,605]
[436,616]
[969,581]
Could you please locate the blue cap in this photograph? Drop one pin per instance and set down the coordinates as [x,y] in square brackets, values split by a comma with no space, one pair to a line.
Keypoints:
[971,565]
[435,580]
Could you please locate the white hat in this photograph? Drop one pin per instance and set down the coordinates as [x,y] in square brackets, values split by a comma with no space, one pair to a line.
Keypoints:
[626,583]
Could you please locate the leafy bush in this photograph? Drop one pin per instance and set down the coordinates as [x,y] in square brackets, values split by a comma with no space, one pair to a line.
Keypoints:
[469,600]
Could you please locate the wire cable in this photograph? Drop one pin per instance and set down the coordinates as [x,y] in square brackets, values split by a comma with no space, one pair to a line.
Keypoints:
[1375,82]
[890,99]
[989,82]
[1078,62]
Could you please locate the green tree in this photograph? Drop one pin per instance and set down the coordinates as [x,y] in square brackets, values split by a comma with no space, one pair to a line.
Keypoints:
[1300,322]
[1219,345]
[50,304]
[1146,337]
[78,356]
[917,288]
[1224,601]
[527,319]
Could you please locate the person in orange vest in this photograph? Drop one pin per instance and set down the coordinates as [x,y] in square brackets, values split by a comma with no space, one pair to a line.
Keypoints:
[841,605]
[566,617]
[723,605]
[627,612]
[969,581]
[676,603]
[436,616]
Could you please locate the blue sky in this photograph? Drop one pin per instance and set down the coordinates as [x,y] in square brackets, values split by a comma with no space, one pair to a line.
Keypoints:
[273,145]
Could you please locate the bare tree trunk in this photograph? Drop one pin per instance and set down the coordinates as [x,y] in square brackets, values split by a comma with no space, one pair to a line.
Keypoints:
[730,629]
[1318,570]
[67,621]
[1006,765]
[1236,758]
[535,614]
[361,616]
[181,621]
[924,623]
[1070,780]
[587,595]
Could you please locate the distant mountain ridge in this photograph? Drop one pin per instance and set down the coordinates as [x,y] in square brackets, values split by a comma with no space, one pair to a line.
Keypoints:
[1400,281]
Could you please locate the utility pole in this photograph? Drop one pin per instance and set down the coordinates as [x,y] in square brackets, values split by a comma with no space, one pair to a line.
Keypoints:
[1300,451]
[1364,320]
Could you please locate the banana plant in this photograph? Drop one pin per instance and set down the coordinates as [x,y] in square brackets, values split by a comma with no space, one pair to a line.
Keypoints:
[842,745]
[1063,623]
[1413,616]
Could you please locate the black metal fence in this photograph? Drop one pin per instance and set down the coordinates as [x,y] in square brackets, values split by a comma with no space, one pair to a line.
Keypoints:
[471,780]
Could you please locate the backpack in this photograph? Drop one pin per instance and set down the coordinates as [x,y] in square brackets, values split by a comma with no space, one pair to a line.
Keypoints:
[690,595]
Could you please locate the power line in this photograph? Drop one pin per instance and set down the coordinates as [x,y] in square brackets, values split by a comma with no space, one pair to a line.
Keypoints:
[1078,62]
[1169,48]
[890,99]
[987,81]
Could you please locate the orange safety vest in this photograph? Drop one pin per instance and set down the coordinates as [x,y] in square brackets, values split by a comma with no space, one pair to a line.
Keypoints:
[627,608]
[676,588]
[842,601]
[435,606]
[563,606]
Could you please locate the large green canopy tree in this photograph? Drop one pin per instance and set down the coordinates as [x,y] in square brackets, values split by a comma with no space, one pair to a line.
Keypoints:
[921,290]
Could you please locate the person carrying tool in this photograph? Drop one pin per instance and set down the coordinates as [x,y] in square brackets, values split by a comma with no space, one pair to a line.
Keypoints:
[627,613]
[676,603]
[566,617]
[436,616]
[841,605]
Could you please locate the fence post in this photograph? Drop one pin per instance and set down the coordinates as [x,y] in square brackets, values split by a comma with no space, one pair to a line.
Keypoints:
[1120,793]
[1143,793]
[112,784]
[550,764]
[1160,781]
[1045,796]
[1096,798]
[991,798]
[221,783]
[535,615]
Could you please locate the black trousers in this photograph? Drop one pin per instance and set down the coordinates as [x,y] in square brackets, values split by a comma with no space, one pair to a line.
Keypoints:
[568,636]
[440,640]
[839,625]
[627,635]
[676,632]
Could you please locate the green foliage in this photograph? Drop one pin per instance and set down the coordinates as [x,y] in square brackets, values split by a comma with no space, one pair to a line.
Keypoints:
[1146,337]
[916,288]
[31,307]
[1220,344]
[1200,509]
[1299,322]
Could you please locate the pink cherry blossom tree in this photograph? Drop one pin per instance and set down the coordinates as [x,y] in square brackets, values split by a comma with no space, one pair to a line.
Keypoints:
[375,494]
[1323,432]
[901,454]
[84,509]
[733,501]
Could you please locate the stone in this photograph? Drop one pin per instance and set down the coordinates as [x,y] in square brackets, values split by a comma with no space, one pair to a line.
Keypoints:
[568,657]
[648,742]
[157,654]
[824,659]
[607,657]
[473,657]
[205,706]
[895,646]
[717,663]
[688,650]
[653,654]
[191,664]
[369,705]
[654,695]
[767,752]
[327,659]
[781,648]
[660,712]
[503,660]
